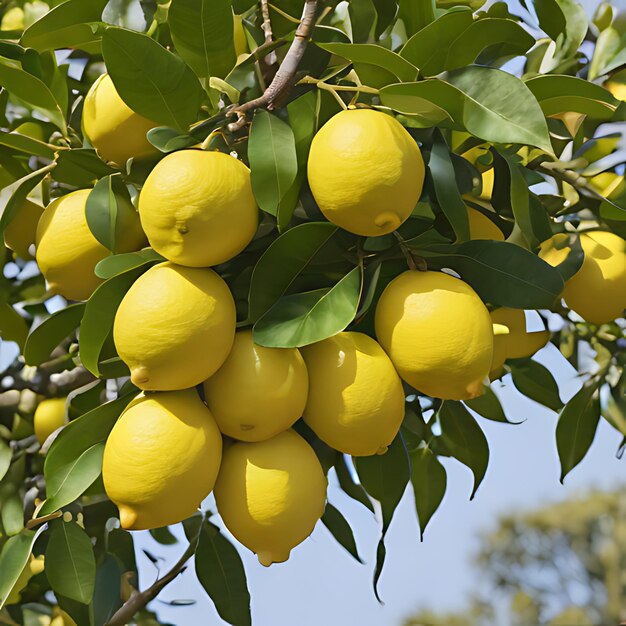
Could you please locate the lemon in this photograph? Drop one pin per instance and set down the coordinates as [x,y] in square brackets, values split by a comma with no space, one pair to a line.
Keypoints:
[34,566]
[20,234]
[270,494]
[258,392]
[481,227]
[49,415]
[356,400]
[516,343]
[488,181]
[174,327]
[618,90]
[67,251]
[365,171]
[597,292]
[61,618]
[197,208]
[13,19]
[112,127]
[437,332]
[161,459]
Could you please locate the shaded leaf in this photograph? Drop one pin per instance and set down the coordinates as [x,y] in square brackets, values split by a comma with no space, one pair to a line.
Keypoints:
[5,458]
[340,530]
[13,559]
[80,167]
[488,406]
[536,382]
[119,263]
[429,480]
[348,485]
[13,327]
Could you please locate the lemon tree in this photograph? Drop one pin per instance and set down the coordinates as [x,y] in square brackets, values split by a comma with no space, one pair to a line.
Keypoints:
[252,247]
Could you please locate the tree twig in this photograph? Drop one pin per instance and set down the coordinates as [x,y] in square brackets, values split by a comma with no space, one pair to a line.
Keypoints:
[284,78]
[270,59]
[139,599]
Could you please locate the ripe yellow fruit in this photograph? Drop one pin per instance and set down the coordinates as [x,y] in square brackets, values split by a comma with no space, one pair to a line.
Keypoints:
[175,327]
[34,566]
[161,459]
[597,292]
[197,208]
[365,171]
[618,90]
[258,392]
[21,232]
[49,415]
[239,36]
[356,400]
[517,343]
[270,494]
[13,19]
[112,127]
[481,227]
[67,251]
[61,618]
[488,180]
[437,332]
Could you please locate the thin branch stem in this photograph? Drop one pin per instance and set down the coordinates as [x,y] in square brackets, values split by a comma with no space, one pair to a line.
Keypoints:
[270,59]
[139,599]
[410,261]
[284,78]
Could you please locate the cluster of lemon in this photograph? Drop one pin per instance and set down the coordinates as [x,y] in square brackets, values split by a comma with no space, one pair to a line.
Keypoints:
[176,328]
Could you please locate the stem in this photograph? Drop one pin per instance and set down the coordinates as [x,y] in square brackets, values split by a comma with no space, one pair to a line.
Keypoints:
[410,261]
[331,89]
[270,59]
[284,78]
[139,599]
[307,80]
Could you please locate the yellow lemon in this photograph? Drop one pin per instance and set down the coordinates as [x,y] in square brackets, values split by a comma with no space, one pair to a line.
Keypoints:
[161,459]
[67,251]
[174,327]
[618,90]
[258,392]
[270,494]
[13,19]
[49,415]
[112,127]
[437,332]
[356,400]
[597,292]
[365,171]
[34,566]
[481,227]
[197,208]
[61,618]
[488,180]
[21,232]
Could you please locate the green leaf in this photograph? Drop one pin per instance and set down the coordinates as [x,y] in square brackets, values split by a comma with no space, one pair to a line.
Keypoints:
[5,458]
[80,167]
[32,91]
[536,382]
[372,54]
[362,18]
[416,14]
[44,338]
[119,263]
[282,262]
[304,318]
[11,509]
[13,559]
[488,406]
[427,48]
[97,322]
[70,562]
[577,425]
[464,439]
[169,139]
[106,597]
[109,211]
[163,535]
[74,460]
[26,144]
[13,327]
[347,484]
[429,480]
[72,24]
[561,94]
[340,530]
[151,80]
[502,273]
[448,195]
[221,573]
[202,31]
[273,160]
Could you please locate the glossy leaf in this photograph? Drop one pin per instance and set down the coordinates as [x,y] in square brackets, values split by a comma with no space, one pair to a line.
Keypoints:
[501,273]
[273,160]
[13,559]
[119,263]
[70,562]
[13,327]
[416,14]
[348,485]
[151,80]
[80,168]
[74,460]
[282,262]
[536,382]
[577,425]
[464,439]
[429,480]
[169,139]
[488,406]
[340,529]
[221,573]
[305,318]
[45,337]
[202,31]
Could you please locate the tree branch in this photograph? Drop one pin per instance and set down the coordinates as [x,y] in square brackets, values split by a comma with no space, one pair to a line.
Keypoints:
[270,59]
[139,599]
[284,78]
